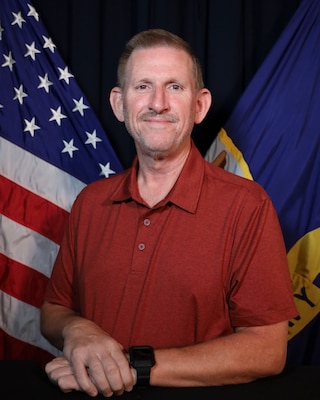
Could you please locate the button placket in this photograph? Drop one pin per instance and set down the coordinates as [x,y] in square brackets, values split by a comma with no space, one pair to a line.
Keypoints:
[141,254]
[146,223]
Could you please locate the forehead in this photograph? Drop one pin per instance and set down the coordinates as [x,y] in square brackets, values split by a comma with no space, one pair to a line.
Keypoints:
[159,60]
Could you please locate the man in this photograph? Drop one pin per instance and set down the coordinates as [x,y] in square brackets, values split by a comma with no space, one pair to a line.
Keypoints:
[174,253]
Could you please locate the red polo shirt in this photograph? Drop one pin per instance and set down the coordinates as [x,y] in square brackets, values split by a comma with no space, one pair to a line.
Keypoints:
[206,259]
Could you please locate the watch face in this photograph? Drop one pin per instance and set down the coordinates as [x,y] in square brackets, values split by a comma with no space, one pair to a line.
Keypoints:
[141,356]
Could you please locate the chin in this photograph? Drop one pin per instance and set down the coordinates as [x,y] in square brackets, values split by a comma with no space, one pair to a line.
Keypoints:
[156,154]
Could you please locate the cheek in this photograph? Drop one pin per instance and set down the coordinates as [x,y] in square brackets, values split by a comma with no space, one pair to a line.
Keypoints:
[130,120]
[188,115]
[133,108]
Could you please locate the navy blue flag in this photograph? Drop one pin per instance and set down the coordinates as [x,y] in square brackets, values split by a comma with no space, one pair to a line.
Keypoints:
[273,137]
[51,146]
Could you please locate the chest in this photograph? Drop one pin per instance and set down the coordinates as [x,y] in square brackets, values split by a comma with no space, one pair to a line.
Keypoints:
[166,245]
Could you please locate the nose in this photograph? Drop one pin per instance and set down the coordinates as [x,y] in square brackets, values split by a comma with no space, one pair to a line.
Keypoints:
[158,100]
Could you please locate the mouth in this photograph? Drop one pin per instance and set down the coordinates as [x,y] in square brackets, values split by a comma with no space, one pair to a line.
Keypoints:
[158,121]
[160,125]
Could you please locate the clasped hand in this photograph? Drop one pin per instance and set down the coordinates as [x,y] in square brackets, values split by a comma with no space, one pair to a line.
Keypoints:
[93,362]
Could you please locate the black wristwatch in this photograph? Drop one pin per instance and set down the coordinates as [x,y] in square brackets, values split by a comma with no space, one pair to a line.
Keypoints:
[141,358]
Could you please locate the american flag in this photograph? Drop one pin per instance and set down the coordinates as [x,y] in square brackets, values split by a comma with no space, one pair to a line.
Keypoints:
[51,146]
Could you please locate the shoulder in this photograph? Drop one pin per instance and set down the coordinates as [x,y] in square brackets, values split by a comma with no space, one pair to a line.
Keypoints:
[103,189]
[223,181]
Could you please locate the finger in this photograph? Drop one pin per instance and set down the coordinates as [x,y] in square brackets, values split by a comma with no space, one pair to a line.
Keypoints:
[127,374]
[56,363]
[56,373]
[68,383]
[56,368]
[99,376]
[80,373]
[118,372]
[60,373]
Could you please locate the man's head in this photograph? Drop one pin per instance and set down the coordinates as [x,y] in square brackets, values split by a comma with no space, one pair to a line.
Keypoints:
[156,38]
[160,94]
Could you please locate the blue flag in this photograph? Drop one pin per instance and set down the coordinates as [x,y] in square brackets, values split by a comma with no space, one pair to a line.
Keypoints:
[273,137]
[51,146]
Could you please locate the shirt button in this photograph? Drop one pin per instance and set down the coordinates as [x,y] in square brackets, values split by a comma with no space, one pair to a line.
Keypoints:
[147,222]
[141,246]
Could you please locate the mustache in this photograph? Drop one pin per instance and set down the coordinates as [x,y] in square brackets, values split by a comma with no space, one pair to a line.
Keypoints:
[161,117]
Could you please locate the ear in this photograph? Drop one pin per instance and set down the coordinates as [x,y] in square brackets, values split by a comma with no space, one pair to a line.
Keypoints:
[203,104]
[116,103]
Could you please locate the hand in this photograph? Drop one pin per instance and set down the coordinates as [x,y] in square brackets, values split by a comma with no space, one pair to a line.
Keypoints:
[98,362]
[59,371]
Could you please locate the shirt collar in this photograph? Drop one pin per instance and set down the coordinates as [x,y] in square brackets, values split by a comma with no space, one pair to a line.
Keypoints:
[189,181]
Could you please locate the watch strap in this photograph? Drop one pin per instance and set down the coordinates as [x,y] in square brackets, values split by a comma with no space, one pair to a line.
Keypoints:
[143,376]
[141,358]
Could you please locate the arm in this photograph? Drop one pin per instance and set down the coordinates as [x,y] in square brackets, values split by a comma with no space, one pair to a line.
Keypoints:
[94,362]
[246,355]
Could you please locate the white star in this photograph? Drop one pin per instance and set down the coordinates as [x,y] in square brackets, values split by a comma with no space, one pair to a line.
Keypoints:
[57,115]
[79,106]
[20,94]
[106,170]
[1,30]
[69,148]
[1,106]
[18,19]
[65,74]
[44,83]
[92,139]
[31,51]
[33,13]
[48,44]
[31,126]
[9,61]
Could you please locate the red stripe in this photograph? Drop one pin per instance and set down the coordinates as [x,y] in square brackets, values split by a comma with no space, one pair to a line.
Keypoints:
[22,282]
[14,349]
[31,210]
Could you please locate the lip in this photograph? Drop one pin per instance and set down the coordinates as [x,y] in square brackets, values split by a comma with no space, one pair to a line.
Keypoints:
[158,121]
[158,124]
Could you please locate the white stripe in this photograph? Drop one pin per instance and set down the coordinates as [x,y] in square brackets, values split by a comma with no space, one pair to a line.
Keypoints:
[38,176]
[231,163]
[22,321]
[27,246]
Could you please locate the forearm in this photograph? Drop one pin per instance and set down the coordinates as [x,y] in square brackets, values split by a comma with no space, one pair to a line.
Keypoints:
[54,319]
[238,358]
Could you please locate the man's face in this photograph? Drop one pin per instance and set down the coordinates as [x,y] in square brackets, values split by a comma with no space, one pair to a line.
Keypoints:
[160,100]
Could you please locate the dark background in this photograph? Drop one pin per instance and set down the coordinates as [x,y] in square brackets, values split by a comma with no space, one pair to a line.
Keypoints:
[230,37]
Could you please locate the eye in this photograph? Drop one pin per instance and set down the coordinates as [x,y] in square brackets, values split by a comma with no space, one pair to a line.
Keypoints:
[142,87]
[175,87]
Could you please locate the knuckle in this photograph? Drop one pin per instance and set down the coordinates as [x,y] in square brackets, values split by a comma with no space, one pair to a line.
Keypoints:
[111,369]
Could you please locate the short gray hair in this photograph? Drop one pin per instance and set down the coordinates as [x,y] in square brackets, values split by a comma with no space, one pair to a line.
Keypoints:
[153,38]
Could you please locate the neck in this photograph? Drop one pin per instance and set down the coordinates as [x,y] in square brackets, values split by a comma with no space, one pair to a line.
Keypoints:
[157,177]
